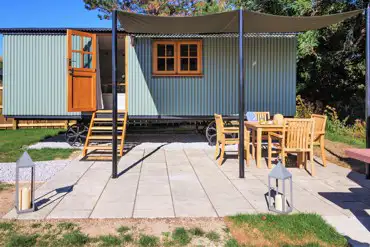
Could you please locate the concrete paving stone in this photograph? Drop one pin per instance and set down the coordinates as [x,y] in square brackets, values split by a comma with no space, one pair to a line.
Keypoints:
[350,226]
[69,214]
[12,214]
[154,213]
[314,186]
[220,202]
[160,172]
[114,209]
[180,169]
[189,194]
[176,162]
[247,184]
[314,205]
[153,178]
[77,202]
[102,165]
[153,202]
[129,169]
[154,189]
[194,209]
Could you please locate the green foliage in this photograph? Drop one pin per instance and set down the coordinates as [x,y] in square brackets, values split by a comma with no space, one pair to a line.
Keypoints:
[6,226]
[148,241]
[109,240]
[196,231]
[36,225]
[158,7]
[213,236]
[4,186]
[127,238]
[291,226]
[232,243]
[181,236]
[123,229]
[74,238]
[67,226]
[21,240]
[336,129]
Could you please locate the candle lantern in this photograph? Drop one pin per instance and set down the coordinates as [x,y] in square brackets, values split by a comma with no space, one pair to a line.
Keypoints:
[25,193]
[283,201]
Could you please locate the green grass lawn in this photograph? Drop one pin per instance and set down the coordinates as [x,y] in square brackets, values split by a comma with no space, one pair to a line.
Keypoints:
[283,230]
[347,139]
[16,234]
[257,230]
[13,142]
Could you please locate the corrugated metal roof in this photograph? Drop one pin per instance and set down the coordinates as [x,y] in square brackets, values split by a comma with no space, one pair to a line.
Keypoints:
[215,35]
[109,30]
[54,30]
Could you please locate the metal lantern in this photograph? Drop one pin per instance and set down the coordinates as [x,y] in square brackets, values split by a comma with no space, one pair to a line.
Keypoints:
[283,202]
[25,194]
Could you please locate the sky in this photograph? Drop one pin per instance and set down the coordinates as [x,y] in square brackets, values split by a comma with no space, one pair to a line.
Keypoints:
[47,13]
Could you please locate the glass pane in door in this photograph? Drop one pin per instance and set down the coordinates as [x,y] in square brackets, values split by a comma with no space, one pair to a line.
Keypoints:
[76,60]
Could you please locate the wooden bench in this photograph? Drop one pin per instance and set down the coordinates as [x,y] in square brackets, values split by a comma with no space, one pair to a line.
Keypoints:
[361,154]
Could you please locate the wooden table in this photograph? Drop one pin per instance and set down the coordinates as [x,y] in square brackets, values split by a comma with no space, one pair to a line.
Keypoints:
[361,154]
[257,130]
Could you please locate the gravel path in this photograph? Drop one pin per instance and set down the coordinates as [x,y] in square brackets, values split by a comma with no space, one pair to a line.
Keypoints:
[44,170]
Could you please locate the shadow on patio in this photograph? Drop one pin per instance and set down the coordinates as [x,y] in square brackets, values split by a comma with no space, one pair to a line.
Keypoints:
[356,200]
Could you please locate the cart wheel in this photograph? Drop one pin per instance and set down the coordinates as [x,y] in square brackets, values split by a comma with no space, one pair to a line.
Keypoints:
[211,133]
[76,134]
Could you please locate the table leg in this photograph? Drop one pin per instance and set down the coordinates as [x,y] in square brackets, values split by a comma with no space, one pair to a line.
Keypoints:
[253,144]
[367,171]
[259,147]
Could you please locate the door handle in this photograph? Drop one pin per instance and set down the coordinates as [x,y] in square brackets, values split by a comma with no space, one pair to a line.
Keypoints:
[71,71]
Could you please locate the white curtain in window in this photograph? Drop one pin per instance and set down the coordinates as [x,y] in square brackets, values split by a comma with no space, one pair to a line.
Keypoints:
[99,95]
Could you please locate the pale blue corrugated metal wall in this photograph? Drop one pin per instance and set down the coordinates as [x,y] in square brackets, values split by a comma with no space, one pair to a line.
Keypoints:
[35,76]
[270,79]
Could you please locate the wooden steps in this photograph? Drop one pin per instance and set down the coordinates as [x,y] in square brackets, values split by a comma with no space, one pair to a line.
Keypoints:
[99,136]
[108,119]
[105,128]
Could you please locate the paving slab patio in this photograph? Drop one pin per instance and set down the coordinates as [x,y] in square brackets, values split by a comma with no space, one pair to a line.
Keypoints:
[160,179]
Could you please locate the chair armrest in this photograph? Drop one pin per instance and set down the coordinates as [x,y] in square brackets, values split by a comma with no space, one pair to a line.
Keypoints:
[275,135]
[320,133]
[227,130]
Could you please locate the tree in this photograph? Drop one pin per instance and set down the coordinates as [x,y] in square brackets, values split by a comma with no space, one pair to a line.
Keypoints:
[156,7]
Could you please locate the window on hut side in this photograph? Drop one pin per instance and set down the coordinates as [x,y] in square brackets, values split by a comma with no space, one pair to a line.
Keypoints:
[177,57]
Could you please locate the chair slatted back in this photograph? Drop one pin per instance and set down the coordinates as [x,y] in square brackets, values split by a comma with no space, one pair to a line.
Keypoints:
[262,116]
[298,133]
[320,124]
[219,126]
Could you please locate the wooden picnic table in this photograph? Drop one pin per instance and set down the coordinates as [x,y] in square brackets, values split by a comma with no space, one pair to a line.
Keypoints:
[257,130]
[362,154]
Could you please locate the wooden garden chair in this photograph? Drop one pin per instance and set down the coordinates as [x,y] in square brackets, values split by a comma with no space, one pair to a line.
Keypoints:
[260,116]
[319,134]
[296,137]
[223,138]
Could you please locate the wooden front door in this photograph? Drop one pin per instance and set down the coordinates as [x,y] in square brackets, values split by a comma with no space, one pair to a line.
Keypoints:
[81,55]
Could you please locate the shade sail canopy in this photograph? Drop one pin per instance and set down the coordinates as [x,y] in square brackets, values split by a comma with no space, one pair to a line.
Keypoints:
[227,22]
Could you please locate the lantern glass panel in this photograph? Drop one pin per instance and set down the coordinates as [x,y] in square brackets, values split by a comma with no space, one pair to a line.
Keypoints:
[280,194]
[25,184]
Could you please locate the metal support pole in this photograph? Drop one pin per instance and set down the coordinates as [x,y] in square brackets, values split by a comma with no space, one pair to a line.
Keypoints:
[241,94]
[367,100]
[114,94]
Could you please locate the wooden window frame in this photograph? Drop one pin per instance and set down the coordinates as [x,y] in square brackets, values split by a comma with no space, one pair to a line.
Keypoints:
[155,57]
[177,57]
